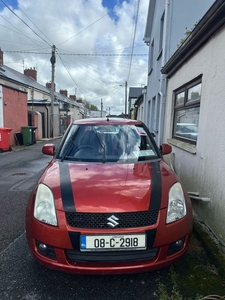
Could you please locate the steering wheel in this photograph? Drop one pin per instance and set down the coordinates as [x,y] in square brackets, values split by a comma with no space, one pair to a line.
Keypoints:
[86,146]
[85,151]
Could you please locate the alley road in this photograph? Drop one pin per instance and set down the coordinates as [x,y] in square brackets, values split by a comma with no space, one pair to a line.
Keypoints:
[22,278]
[19,171]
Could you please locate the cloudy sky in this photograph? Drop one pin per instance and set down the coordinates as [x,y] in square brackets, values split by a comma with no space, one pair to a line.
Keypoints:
[99,45]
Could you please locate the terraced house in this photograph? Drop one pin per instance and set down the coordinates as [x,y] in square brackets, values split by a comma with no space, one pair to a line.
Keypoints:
[185,101]
[23,102]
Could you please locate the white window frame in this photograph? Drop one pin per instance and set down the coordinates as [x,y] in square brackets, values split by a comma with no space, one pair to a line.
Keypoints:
[186,105]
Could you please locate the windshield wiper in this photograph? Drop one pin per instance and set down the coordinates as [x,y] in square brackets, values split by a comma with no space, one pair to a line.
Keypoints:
[101,144]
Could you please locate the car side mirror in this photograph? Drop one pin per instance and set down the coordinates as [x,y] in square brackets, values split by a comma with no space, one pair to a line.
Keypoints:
[165,149]
[48,149]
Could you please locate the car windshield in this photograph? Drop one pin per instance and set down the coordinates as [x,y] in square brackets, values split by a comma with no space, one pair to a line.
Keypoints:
[107,143]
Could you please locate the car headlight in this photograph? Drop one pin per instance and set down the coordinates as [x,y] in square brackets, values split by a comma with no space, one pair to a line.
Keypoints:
[44,207]
[176,205]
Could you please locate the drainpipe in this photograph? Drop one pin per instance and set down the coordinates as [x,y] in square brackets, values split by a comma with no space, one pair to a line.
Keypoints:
[144,92]
[162,88]
[161,116]
[32,98]
[47,119]
[145,109]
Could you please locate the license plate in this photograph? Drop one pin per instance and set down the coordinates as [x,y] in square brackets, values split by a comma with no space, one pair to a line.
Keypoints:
[113,242]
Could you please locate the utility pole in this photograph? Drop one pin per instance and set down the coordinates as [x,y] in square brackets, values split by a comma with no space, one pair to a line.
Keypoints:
[52,60]
[101,107]
[125,98]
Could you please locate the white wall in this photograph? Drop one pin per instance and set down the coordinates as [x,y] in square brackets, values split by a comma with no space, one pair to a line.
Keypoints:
[140,113]
[32,93]
[204,170]
[74,113]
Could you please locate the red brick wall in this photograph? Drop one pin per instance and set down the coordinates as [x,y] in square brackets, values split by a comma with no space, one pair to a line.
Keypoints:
[14,110]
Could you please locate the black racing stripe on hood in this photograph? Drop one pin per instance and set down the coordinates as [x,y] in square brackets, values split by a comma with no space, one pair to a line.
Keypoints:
[156,194]
[66,187]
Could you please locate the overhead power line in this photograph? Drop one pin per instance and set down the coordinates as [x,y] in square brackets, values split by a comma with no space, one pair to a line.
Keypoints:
[17,31]
[90,24]
[32,22]
[81,54]
[70,74]
[24,22]
[104,54]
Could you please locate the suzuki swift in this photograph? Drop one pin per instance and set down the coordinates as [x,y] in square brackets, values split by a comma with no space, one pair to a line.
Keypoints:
[107,203]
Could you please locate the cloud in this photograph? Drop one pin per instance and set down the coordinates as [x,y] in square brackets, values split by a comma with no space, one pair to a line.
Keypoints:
[93,45]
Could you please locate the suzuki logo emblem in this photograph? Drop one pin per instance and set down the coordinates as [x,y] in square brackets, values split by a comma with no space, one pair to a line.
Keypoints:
[113,221]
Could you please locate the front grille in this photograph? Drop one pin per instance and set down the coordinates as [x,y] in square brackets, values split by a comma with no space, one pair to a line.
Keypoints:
[99,220]
[110,256]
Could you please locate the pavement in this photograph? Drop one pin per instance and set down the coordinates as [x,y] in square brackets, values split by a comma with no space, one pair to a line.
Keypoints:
[21,147]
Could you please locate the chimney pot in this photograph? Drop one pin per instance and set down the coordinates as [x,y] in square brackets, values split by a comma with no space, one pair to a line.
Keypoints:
[63,92]
[31,73]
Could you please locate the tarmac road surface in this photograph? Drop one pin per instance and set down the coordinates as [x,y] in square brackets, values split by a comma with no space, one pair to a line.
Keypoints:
[22,278]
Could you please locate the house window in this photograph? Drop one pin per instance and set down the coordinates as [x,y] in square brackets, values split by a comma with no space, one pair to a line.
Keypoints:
[186,112]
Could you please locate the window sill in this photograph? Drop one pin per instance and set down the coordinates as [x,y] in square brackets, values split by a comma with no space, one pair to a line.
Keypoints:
[183,145]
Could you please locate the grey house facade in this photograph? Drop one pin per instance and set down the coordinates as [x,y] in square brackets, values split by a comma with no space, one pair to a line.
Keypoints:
[167,22]
[195,116]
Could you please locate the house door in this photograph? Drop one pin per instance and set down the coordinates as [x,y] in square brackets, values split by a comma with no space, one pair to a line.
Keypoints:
[1,108]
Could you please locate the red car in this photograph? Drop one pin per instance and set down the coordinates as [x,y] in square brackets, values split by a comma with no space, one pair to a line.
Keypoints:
[107,203]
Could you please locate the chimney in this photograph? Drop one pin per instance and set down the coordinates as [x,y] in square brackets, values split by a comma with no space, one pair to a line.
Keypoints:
[32,72]
[73,97]
[63,92]
[49,85]
[1,58]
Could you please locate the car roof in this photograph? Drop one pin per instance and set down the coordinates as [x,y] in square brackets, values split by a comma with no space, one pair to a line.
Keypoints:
[107,121]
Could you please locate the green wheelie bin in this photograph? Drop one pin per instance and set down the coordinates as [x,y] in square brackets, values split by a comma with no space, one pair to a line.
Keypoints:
[28,133]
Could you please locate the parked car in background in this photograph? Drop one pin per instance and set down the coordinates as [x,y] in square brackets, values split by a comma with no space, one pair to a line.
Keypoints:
[187,130]
[107,203]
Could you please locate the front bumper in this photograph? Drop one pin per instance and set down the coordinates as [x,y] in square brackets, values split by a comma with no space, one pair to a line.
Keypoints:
[166,244]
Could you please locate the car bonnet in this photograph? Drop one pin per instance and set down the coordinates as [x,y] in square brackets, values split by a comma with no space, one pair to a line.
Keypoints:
[92,187]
